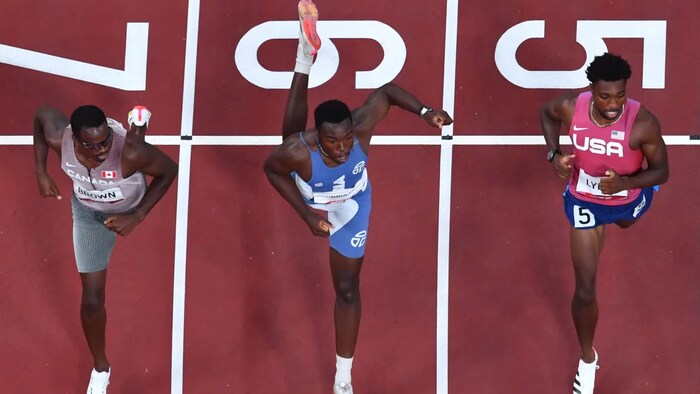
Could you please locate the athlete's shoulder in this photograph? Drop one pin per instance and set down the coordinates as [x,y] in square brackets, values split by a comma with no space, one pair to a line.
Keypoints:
[562,106]
[293,151]
[54,124]
[116,126]
[570,99]
[136,150]
[646,121]
[52,117]
[646,128]
[298,142]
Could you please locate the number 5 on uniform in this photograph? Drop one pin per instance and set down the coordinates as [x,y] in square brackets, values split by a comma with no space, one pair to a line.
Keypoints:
[583,217]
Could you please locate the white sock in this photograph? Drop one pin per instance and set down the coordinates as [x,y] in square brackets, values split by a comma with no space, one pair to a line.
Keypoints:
[304,61]
[343,368]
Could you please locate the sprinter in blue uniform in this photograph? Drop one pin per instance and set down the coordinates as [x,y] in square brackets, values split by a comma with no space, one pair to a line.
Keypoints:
[324,169]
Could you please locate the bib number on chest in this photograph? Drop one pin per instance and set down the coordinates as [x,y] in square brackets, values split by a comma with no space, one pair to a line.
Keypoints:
[590,186]
[109,195]
[340,193]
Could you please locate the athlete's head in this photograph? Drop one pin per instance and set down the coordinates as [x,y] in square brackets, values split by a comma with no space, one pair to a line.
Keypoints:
[333,121]
[91,134]
[608,75]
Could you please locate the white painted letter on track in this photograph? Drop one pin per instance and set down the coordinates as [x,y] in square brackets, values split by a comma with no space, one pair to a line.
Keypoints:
[590,35]
[132,78]
[328,59]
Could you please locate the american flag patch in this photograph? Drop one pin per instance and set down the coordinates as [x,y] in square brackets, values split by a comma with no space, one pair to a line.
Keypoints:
[617,135]
[109,174]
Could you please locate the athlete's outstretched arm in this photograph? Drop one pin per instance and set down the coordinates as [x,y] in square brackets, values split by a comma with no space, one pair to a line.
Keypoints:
[278,167]
[49,124]
[144,157]
[297,108]
[380,101]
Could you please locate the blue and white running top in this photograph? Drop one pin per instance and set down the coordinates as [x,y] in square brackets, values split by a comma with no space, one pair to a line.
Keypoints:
[330,185]
[345,193]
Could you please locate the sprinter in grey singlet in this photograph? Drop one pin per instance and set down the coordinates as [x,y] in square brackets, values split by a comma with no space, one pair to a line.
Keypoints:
[110,196]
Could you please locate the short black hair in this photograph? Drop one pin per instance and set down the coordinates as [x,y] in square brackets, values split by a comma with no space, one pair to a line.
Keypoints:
[331,111]
[86,116]
[608,67]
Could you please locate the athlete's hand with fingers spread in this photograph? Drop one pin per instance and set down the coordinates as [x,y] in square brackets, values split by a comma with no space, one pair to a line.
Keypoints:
[612,182]
[562,165]
[47,186]
[437,118]
[318,224]
[123,224]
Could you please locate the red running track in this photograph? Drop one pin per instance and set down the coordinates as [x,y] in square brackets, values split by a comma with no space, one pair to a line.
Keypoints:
[259,298]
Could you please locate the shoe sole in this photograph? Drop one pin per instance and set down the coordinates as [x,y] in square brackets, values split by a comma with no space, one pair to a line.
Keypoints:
[308,16]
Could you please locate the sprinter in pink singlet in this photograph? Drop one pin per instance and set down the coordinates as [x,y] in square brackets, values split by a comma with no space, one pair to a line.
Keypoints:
[618,158]
[108,167]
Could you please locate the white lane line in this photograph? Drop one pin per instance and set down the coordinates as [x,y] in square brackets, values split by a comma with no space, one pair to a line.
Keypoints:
[183,198]
[444,202]
[393,140]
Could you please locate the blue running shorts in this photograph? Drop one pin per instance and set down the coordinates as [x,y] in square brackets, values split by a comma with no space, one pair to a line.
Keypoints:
[585,215]
[350,220]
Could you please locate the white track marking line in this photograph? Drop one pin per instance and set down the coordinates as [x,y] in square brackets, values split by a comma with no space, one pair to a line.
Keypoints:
[393,140]
[444,203]
[183,198]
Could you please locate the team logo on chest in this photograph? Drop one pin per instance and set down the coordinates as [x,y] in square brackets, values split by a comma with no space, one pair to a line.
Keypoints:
[598,146]
[358,167]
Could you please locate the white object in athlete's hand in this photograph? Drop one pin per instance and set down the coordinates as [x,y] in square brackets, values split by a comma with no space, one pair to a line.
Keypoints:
[139,116]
